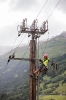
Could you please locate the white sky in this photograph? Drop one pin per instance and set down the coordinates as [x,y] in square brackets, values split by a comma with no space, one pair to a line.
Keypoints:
[12,12]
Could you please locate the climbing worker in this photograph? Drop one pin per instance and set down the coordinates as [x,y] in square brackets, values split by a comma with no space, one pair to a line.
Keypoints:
[44,66]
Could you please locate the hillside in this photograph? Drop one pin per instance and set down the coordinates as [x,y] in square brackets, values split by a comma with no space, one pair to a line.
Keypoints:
[16,73]
[4,49]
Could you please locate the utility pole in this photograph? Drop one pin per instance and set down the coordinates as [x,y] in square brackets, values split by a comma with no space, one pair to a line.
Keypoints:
[35,33]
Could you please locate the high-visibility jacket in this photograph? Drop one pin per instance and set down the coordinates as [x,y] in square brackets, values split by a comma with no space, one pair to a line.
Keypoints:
[45,62]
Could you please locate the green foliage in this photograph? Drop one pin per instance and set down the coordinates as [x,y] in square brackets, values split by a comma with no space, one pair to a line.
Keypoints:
[52,97]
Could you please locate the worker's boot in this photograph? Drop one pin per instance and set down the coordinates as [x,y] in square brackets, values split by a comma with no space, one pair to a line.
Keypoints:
[31,75]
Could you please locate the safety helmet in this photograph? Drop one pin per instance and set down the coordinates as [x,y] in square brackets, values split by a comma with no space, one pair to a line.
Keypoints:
[45,56]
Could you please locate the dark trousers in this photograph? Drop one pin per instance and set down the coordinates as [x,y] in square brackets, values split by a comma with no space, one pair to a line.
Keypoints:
[43,69]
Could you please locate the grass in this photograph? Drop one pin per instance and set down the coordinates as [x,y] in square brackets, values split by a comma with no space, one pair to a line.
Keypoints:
[61,89]
[46,78]
[52,97]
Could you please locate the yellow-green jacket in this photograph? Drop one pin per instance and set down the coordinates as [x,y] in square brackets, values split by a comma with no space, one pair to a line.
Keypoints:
[45,62]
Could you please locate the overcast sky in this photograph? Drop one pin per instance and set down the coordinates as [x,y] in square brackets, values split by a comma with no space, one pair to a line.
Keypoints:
[12,12]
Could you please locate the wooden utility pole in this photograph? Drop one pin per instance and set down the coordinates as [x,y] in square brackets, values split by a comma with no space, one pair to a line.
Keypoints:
[35,33]
[32,80]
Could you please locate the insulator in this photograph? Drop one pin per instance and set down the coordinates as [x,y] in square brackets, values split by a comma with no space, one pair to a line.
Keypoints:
[44,25]
[47,24]
[8,60]
[38,36]
[36,21]
[10,57]
[13,56]
[35,36]
[21,28]
[18,28]
[29,35]
[41,29]
[23,23]
[33,26]
[19,35]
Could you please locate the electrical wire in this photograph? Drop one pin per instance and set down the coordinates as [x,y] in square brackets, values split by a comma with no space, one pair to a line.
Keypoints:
[13,45]
[9,54]
[19,44]
[53,10]
[14,52]
[19,63]
[43,51]
[48,19]
[48,37]
[7,63]
[42,8]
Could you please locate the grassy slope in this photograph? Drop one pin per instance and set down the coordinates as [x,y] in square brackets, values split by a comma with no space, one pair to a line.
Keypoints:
[61,89]
[55,47]
[53,97]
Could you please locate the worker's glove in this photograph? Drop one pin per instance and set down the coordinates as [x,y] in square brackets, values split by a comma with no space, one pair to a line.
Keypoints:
[40,60]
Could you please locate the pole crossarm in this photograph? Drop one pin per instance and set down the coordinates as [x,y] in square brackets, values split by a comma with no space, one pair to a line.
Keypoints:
[26,59]
[33,32]
[33,29]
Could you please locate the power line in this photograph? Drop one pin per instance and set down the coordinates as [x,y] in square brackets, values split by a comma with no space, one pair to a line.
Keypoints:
[19,44]
[47,19]
[13,45]
[42,8]
[53,9]
[9,54]
[16,67]
[19,63]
